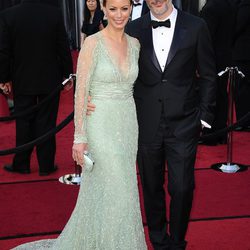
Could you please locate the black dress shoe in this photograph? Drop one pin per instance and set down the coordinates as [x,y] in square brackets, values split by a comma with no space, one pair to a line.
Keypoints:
[45,173]
[10,168]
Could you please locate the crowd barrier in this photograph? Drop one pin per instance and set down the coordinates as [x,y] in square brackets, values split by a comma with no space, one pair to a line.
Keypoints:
[50,133]
[35,108]
[59,127]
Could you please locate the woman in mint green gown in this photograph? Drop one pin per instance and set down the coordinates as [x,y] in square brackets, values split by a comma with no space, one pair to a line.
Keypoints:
[107,213]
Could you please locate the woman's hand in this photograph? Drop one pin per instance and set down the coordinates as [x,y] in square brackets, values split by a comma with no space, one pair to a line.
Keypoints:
[77,152]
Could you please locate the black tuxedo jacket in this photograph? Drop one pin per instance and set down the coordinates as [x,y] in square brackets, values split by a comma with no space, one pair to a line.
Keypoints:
[174,91]
[242,36]
[34,37]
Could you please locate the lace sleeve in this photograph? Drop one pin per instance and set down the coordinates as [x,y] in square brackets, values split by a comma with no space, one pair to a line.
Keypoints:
[85,68]
[136,44]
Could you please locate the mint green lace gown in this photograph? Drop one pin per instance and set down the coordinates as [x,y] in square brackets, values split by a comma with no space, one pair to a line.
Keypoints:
[107,213]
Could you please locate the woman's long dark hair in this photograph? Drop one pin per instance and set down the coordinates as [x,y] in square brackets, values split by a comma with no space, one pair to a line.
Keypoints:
[86,12]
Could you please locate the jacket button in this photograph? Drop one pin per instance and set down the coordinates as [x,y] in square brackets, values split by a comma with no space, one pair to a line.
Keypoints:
[159,100]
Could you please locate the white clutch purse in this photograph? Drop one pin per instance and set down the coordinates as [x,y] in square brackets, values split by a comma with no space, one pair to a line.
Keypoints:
[88,161]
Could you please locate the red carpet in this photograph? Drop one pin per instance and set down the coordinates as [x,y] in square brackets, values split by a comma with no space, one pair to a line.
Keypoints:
[34,207]
[50,204]
[209,235]
[208,155]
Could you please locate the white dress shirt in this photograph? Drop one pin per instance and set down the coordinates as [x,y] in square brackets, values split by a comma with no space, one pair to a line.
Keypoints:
[162,40]
[137,10]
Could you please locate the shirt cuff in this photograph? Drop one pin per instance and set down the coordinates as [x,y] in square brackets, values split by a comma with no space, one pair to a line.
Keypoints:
[204,124]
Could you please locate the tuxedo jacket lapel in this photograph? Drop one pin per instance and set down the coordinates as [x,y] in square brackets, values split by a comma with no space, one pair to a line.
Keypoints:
[147,40]
[179,34]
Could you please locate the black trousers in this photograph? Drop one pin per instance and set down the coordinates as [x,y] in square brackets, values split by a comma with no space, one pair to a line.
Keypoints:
[180,158]
[33,126]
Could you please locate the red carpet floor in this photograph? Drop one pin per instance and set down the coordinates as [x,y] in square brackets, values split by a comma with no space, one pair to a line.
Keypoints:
[208,235]
[51,203]
[34,207]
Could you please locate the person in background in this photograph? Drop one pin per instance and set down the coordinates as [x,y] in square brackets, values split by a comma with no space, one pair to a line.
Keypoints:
[139,8]
[36,56]
[92,19]
[220,16]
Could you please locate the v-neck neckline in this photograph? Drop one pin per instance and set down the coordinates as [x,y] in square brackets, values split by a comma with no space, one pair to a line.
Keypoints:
[122,71]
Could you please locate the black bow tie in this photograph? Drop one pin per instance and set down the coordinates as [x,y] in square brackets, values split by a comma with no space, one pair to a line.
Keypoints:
[156,24]
[136,4]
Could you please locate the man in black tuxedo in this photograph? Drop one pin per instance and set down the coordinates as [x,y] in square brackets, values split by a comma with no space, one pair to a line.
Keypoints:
[220,16]
[172,107]
[139,8]
[34,38]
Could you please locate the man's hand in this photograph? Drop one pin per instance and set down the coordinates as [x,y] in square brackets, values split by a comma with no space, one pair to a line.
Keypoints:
[6,87]
[90,106]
